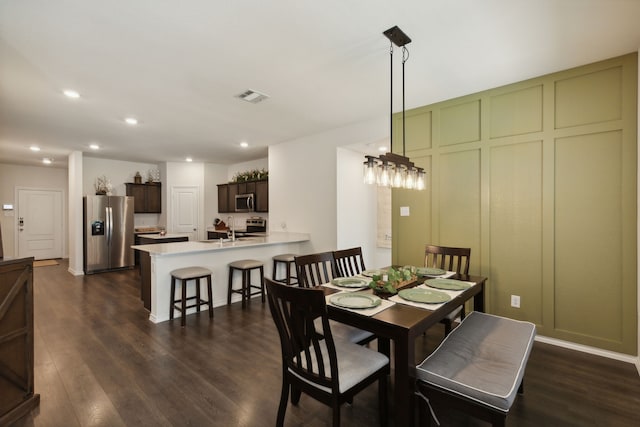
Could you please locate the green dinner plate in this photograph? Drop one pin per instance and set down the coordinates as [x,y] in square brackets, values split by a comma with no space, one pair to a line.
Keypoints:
[426,296]
[355,300]
[428,271]
[449,284]
[350,282]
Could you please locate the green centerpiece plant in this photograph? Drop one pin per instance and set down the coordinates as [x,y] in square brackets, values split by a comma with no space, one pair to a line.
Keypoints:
[392,279]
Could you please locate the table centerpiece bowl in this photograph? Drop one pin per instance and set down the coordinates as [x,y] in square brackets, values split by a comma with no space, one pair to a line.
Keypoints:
[392,279]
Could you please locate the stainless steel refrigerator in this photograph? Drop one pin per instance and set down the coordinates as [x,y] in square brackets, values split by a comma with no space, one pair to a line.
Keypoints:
[108,233]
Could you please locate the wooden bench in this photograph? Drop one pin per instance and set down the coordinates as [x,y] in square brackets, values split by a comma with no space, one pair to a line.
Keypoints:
[477,369]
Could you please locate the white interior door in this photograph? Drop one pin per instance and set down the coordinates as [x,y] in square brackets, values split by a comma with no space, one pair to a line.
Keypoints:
[39,223]
[184,212]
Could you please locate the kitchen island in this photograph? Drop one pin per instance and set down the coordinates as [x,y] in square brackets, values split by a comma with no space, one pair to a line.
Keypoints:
[157,261]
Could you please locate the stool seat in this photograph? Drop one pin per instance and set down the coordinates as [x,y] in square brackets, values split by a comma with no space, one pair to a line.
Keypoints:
[184,275]
[285,258]
[246,264]
[190,273]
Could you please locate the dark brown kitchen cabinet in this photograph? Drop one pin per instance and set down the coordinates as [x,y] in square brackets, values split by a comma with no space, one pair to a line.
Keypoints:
[147,197]
[262,196]
[223,198]
[227,195]
[17,395]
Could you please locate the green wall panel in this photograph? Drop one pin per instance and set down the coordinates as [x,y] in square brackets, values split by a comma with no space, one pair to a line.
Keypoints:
[460,123]
[590,98]
[588,267]
[539,178]
[517,112]
[459,202]
[418,128]
[516,230]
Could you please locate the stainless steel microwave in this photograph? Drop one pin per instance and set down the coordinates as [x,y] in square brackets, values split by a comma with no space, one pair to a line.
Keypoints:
[244,202]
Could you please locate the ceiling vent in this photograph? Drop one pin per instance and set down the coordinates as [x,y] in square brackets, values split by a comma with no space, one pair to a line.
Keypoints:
[252,96]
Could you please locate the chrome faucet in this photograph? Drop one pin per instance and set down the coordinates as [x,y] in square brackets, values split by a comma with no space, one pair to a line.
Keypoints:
[230,221]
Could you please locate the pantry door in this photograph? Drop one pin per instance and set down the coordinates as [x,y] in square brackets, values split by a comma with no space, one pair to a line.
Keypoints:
[184,213]
[39,224]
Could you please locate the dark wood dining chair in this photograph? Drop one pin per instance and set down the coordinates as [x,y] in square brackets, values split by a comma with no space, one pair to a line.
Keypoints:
[349,262]
[316,269]
[331,371]
[450,259]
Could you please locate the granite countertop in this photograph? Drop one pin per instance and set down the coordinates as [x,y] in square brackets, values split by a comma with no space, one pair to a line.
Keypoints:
[163,249]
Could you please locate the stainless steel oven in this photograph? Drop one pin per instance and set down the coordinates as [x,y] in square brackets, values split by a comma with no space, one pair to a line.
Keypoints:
[256,225]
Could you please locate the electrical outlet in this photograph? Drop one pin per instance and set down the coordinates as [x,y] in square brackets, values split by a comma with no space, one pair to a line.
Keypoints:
[515,301]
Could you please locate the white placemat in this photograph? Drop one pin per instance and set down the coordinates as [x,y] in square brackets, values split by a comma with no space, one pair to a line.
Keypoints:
[384,304]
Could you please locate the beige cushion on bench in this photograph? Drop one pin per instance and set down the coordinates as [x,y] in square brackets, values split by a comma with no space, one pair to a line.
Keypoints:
[483,359]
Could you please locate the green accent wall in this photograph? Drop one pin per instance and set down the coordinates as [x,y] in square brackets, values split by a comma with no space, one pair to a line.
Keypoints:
[539,179]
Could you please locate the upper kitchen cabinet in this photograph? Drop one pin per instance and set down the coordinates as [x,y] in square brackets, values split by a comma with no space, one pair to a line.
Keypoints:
[223,199]
[227,195]
[147,197]
[262,196]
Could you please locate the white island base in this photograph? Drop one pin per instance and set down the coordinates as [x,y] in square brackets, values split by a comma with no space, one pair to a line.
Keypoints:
[157,262]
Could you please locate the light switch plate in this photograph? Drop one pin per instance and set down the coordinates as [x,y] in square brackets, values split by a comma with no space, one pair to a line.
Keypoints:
[404,210]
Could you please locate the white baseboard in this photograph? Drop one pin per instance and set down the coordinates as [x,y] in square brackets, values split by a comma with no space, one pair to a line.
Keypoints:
[592,350]
[75,272]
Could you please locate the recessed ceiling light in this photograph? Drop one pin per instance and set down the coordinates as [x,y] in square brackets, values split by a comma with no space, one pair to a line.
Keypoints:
[47,160]
[94,146]
[244,144]
[34,148]
[69,93]
[131,121]
[189,159]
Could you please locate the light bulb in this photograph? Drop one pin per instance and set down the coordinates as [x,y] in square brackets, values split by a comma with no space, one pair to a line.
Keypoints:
[369,172]
[384,179]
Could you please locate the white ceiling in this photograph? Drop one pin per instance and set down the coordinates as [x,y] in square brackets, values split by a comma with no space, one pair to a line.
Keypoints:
[177,67]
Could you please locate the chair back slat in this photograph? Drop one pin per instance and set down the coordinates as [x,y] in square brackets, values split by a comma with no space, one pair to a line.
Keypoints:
[447,258]
[315,269]
[308,349]
[349,262]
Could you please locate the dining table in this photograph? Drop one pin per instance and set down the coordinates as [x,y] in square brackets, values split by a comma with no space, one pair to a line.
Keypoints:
[402,324]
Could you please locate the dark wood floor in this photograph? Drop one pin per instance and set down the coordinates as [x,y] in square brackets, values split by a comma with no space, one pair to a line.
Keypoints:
[100,362]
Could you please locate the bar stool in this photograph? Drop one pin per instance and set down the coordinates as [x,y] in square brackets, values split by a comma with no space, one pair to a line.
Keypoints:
[246,266]
[184,275]
[289,261]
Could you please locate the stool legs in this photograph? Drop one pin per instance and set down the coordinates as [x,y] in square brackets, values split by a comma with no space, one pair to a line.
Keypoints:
[210,293]
[183,301]
[288,275]
[262,292]
[246,286]
[172,302]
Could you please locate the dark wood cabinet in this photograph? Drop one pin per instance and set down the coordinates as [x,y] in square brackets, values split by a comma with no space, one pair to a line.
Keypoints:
[211,235]
[262,196]
[223,198]
[16,340]
[227,195]
[147,197]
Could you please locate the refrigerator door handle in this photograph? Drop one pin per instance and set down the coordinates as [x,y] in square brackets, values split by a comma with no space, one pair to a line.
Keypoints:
[109,229]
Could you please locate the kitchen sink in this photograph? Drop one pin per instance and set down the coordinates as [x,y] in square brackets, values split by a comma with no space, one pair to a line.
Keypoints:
[238,239]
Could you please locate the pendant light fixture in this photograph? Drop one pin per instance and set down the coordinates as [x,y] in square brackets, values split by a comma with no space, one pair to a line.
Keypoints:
[394,170]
